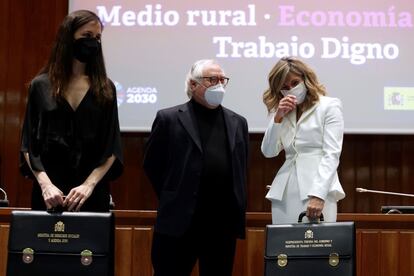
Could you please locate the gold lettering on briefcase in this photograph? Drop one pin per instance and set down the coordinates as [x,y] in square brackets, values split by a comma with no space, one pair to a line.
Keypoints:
[59,235]
[308,242]
[59,226]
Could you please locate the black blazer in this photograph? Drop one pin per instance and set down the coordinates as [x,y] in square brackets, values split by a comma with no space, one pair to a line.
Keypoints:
[173,163]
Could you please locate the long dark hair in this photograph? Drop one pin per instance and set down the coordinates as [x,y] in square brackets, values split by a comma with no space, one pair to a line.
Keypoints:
[59,65]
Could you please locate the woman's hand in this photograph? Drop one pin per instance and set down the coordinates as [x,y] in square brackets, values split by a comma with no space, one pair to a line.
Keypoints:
[77,196]
[52,196]
[286,105]
[315,207]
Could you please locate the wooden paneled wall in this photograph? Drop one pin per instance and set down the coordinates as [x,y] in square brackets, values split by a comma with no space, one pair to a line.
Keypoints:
[27,28]
[379,162]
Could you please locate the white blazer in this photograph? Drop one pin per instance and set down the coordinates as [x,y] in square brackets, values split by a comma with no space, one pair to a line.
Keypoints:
[313,145]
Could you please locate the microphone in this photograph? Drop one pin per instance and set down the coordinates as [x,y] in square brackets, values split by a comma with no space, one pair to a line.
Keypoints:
[361,190]
[111,203]
[4,202]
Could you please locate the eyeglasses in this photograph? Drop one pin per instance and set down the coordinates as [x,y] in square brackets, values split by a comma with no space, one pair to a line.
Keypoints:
[214,80]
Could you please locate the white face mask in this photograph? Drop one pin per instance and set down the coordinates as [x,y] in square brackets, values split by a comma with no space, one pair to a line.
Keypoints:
[299,91]
[214,94]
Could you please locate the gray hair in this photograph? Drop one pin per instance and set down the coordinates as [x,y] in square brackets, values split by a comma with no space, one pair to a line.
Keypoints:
[196,72]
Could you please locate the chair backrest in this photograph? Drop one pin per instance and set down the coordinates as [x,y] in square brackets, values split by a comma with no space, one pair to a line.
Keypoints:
[397,209]
[4,202]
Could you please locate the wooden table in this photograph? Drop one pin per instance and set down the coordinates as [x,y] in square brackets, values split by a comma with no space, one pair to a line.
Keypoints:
[385,243]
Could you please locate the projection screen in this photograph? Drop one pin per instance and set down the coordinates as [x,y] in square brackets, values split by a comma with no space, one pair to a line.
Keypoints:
[362,51]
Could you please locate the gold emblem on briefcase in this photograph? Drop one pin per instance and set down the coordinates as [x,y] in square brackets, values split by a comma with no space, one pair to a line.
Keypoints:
[308,234]
[28,255]
[282,260]
[59,226]
[86,257]
[333,259]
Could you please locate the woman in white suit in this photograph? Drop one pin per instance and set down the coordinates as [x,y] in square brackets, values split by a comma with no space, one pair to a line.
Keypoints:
[309,127]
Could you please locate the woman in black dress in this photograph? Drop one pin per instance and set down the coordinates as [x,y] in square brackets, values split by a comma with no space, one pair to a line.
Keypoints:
[71,139]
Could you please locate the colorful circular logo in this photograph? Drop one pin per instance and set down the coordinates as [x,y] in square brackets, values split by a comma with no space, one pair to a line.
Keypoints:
[120,93]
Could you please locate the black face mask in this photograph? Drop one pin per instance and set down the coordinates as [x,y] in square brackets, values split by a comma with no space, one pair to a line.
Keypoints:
[85,49]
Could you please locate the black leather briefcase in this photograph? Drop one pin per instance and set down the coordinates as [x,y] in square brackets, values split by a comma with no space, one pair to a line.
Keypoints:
[308,249]
[76,244]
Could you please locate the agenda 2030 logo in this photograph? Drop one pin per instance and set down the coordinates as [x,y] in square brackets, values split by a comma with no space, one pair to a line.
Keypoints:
[136,94]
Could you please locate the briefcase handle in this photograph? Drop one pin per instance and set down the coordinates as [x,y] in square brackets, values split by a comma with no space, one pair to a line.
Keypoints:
[57,209]
[301,215]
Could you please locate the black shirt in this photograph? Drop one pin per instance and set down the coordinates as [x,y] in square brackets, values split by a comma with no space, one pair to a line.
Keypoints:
[216,195]
[69,144]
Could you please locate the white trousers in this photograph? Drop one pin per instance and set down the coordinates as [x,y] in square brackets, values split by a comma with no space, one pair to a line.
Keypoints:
[288,209]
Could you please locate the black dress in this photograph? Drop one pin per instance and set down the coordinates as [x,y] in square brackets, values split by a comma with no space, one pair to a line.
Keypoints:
[69,144]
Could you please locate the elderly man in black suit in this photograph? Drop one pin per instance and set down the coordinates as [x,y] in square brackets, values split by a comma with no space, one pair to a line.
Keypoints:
[196,160]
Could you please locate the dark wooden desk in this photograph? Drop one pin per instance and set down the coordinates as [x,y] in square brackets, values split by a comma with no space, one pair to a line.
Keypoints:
[385,243]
